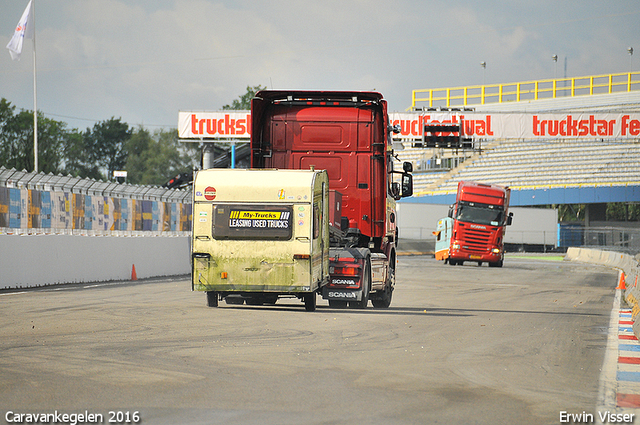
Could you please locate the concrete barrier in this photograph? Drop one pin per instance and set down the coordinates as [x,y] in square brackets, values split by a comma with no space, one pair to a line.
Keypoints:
[629,269]
[38,260]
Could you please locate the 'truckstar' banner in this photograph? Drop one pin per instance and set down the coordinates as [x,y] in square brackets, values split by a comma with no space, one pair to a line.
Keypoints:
[237,125]
[523,126]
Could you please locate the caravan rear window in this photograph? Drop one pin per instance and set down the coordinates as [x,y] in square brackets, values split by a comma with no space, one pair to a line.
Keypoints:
[257,222]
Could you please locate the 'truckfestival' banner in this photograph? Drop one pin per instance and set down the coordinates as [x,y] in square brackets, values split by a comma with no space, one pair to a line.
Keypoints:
[237,125]
[524,126]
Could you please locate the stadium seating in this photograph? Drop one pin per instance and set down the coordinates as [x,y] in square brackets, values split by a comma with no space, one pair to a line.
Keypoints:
[546,163]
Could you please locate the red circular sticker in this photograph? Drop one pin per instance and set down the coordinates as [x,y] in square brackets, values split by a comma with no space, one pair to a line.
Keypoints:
[210,193]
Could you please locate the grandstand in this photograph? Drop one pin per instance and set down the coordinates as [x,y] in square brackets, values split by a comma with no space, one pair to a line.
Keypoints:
[522,164]
[531,164]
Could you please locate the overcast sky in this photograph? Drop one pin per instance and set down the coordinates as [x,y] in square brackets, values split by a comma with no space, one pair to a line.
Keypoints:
[145,60]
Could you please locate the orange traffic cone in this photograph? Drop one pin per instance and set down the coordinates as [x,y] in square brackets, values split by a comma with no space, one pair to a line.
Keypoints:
[134,276]
[622,285]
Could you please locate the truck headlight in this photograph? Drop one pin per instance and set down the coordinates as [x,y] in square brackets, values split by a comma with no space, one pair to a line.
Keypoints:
[496,250]
[455,245]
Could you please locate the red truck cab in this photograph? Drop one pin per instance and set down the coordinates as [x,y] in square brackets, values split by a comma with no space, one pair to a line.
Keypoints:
[346,133]
[480,216]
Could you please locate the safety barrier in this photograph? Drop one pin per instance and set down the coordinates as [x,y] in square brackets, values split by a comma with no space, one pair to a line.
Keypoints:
[526,90]
[33,203]
[44,260]
[63,229]
[629,269]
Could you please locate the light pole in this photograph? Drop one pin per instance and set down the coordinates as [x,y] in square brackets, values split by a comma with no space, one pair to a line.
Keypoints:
[483,64]
[555,66]
[630,50]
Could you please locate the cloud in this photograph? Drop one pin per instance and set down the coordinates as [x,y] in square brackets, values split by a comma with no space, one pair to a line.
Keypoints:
[144,60]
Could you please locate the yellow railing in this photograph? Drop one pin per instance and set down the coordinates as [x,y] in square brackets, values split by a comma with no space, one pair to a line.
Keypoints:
[526,90]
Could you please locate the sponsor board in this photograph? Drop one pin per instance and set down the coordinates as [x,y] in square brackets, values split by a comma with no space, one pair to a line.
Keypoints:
[521,125]
[204,125]
[497,125]
[252,222]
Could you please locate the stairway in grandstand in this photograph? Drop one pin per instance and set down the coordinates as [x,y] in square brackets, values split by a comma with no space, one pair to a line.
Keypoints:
[540,163]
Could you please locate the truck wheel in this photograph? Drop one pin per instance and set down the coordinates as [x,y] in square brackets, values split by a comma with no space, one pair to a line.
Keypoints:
[496,264]
[234,299]
[212,299]
[452,262]
[383,300]
[310,301]
[254,300]
[366,285]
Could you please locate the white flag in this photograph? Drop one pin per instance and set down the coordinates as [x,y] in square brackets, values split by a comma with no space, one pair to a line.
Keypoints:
[23,30]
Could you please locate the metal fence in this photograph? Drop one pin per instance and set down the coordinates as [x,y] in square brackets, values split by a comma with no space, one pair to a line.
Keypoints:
[35,203]
[621,239]
[526,90]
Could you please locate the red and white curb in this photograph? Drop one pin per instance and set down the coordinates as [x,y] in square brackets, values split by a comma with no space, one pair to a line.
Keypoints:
[620,375]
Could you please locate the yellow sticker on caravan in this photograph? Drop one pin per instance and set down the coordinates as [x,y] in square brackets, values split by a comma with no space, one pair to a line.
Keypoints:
[256,215]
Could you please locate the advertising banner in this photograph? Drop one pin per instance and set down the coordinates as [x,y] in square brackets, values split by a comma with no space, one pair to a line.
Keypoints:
[522,125]
[4,207]
[227,125]
[214,125]
[252,222]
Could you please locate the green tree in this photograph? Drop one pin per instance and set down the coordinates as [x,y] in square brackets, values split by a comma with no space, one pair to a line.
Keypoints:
[16,140]
[105,145]
[79,161]
[623,211]
[244,101]
[155,158]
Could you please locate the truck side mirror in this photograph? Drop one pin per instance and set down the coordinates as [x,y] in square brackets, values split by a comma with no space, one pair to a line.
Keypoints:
[407,167]
[509,219]
[395,190]
[407,184]
[450,214]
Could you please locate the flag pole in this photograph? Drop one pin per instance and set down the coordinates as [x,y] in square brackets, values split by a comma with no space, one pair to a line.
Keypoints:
[35,96]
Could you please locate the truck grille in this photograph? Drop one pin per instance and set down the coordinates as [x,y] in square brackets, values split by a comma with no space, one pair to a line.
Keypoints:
[475,240]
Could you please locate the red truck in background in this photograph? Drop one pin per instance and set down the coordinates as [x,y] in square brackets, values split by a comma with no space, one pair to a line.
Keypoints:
[476,225]
[346,133]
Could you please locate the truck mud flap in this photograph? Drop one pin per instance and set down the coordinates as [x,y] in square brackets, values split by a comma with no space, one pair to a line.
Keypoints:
[341,294]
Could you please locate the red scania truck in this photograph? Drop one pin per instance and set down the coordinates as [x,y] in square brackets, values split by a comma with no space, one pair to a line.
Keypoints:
[476,225]
[346,133]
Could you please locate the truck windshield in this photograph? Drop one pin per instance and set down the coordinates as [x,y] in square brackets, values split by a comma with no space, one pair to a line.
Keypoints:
[473,212]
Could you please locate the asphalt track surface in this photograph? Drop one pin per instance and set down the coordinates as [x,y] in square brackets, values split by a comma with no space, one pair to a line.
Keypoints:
[459,344]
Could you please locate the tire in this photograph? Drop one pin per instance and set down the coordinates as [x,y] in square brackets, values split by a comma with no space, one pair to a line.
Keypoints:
[310,301]
[366,287]
[271,300]
[452,262]
[497,264]
[212,299]
[383,299]
[254,300]
[234,299]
